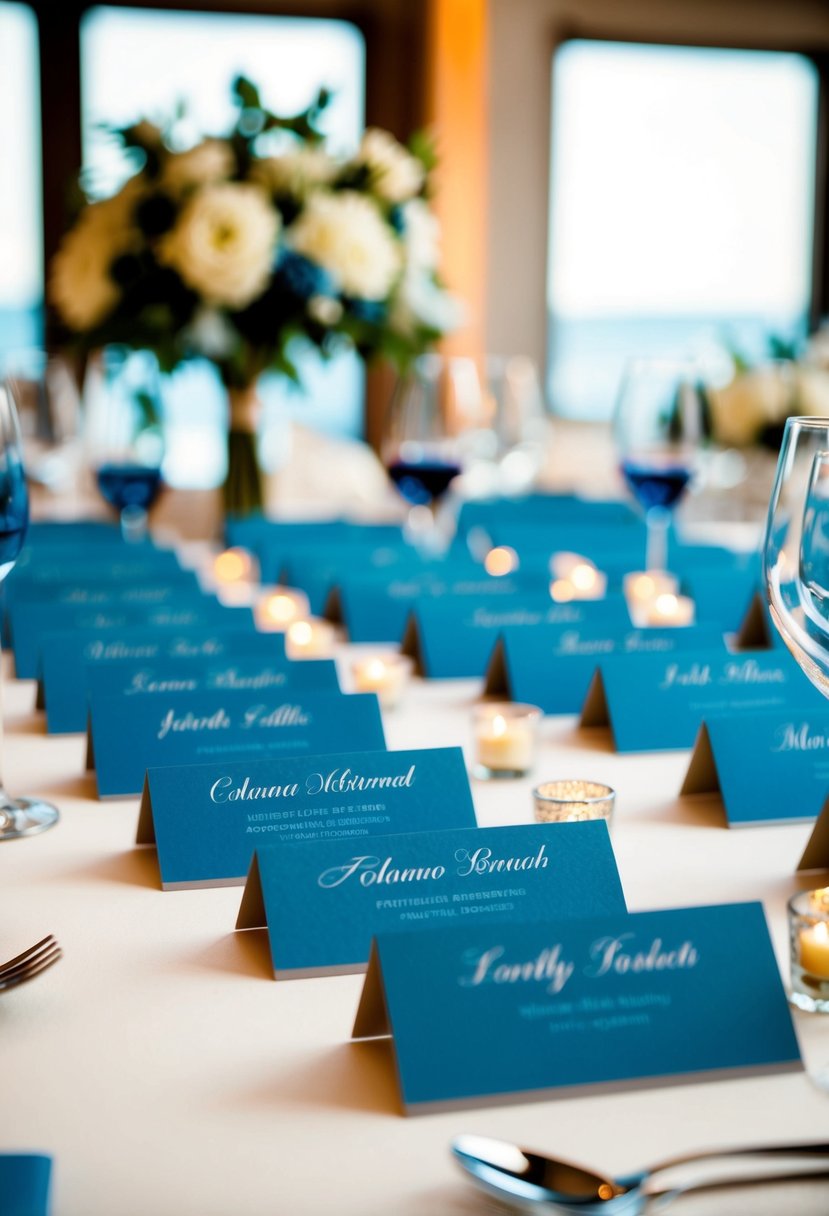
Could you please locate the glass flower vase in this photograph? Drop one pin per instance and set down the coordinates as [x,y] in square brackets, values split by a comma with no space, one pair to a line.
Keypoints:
[244,487]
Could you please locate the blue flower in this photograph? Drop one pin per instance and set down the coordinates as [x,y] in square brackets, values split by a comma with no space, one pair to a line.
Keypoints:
[301,277]
[372,311]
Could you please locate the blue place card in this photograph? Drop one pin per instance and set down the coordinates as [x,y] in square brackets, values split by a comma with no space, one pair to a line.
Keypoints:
[454,638]
[65,659]
[723,597]
[542,510]
[127,736]
[322,903]
[769,767]
[25,1180]
[30,622]
[249,673]
[376,608]
[482,1014]
[320,571]
[98,590]
[552,666]
[603,545]
[658,703]
[51,563]
[206,819]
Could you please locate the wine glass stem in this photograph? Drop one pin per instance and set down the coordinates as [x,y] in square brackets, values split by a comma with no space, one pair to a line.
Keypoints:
[134,521]
[657,522]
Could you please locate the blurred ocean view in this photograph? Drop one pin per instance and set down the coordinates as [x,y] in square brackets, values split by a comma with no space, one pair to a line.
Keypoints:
[586,355]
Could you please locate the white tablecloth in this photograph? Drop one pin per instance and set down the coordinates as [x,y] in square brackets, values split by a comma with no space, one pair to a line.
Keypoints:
[169,1075]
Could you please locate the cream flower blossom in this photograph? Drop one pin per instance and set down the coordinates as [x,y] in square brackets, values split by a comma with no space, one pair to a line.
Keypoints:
[420,301]
[296,173]
[421,235]
[223,243]
[395,174]
[345,234]
[209,161]
[80,284]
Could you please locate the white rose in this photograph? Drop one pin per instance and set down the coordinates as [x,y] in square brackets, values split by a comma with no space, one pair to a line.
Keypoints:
[223,243]
[210,161]
[345,234]
[753,400]
[80,285]
[421,235]
[394,173]
[420,301]
[296,173]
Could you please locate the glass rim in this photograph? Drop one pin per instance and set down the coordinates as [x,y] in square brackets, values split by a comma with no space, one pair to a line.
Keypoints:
[815,914]
[586,799]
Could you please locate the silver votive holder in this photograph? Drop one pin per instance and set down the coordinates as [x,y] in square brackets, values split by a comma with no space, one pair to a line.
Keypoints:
[809,946]
[570,800]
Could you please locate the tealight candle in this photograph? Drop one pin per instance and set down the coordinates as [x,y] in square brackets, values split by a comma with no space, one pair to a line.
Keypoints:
[809,943]
[570,800]
[276,610]
[505,737]
[669,609]
[312,638]
[500,561]
[233,566]
[386,674]
[643,586]
[582,580]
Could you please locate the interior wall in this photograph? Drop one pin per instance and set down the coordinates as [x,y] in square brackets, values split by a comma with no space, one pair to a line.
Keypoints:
[523,36]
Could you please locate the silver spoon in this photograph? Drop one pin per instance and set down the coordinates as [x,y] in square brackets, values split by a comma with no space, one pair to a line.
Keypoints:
[508,1171]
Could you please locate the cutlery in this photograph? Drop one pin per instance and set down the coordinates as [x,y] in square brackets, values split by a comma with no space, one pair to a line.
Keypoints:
[528,1178]
[30,963]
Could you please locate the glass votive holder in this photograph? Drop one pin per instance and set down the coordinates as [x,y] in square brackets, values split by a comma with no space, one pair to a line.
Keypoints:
[569,801]
[279,607]
[809,945]
[312,638]
[505,736]
[384,674]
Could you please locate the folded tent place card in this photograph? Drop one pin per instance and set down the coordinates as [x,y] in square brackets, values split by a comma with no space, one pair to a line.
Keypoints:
[658,702]
[66,657]
[375,607]
[206,819]
[128,736]
[29,622]
[323,903]
[491,1013]
[250,673]
[552,665]
[723,597]
[453,638]
[545,510]
[769,766]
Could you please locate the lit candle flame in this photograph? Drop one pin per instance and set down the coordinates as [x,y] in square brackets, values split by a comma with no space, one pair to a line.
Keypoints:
[666,604]
[301,633]
[232,566]
[583,577]
[562,590]
[280,608]
[500,561]
[499,726]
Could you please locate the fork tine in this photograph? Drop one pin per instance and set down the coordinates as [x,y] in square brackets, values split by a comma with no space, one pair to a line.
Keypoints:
[23,976]
[20,957]
[48,946]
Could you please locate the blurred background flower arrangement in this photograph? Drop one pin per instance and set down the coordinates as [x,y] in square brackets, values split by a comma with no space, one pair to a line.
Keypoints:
[241,247]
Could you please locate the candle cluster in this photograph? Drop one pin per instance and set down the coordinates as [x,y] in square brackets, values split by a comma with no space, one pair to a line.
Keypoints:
[809,943]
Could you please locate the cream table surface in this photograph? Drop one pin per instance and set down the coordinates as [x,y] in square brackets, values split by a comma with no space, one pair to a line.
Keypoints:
[170,1076]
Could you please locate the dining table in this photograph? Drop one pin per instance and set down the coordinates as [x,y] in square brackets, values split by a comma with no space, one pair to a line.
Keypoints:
[167,1073]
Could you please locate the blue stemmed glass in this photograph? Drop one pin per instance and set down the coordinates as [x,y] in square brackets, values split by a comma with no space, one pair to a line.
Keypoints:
[18,816]
[658,427]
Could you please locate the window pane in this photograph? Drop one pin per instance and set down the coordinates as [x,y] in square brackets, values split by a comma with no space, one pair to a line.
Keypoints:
[21,242]
[142,63]
[681,207]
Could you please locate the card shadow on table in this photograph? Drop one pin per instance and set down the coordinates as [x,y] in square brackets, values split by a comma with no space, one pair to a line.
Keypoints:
[134,867]
[243,953]
[355,1076]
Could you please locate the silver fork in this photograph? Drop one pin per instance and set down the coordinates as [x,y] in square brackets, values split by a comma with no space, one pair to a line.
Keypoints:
[30,963]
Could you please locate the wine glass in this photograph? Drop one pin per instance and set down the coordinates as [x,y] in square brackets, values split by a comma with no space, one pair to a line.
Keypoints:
[658,427]
[422,447]
[796,572]
[18,816]
[124,434]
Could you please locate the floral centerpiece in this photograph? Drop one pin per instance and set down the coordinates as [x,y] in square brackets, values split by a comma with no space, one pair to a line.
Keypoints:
[235,252]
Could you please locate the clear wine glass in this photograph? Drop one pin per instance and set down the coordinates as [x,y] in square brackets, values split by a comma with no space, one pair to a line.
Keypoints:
[658,429]
[124,434]
[796,572]
[18,816]
[422,446]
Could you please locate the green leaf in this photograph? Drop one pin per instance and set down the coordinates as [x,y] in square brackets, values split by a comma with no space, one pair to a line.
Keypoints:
[246,93]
